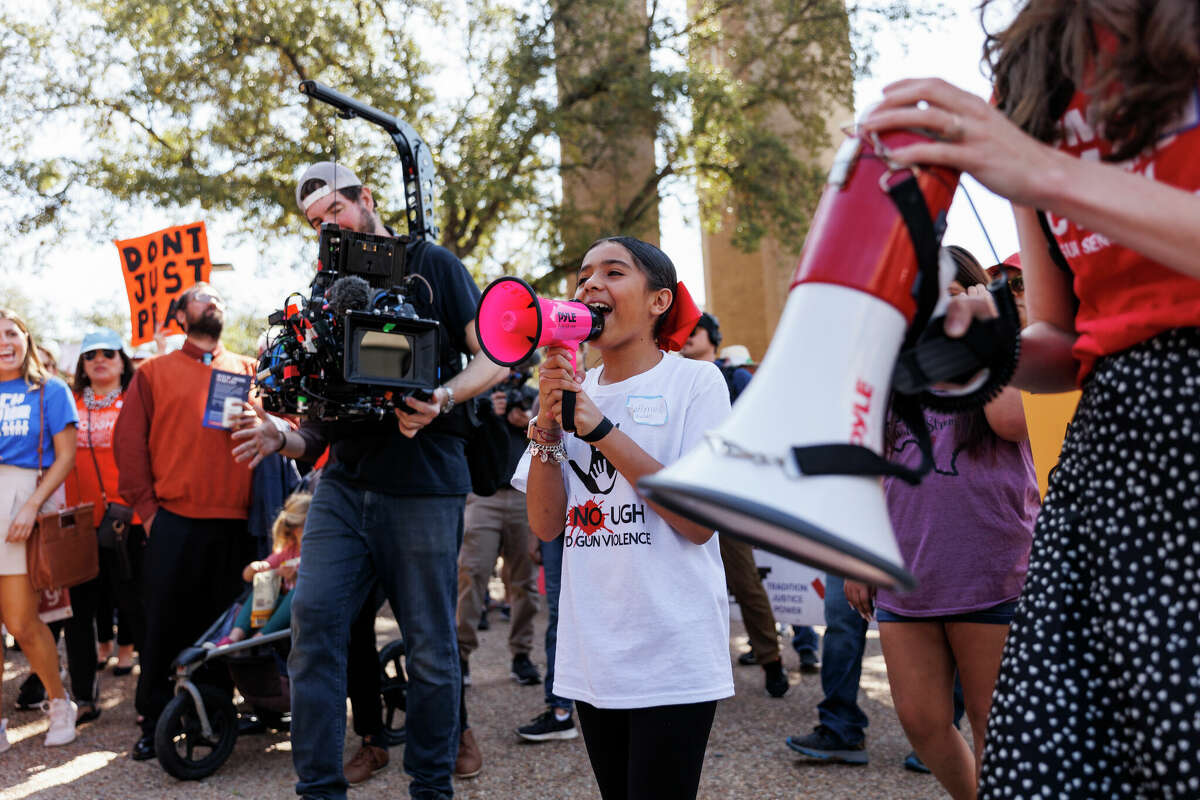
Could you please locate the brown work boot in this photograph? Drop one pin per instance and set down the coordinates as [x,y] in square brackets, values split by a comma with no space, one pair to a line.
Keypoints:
[366,762]
[470,760]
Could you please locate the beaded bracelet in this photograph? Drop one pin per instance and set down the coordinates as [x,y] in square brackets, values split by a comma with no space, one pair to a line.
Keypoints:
[543,435]
[548,451]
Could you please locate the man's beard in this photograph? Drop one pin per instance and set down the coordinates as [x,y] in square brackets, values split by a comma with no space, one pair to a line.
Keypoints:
[364,222]
[210,323]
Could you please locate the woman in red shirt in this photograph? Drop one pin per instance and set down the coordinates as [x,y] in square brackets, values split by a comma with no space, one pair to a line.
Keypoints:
[102,374]
[1097,123]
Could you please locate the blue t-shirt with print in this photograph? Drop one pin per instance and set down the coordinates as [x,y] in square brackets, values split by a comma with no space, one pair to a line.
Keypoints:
[21,419]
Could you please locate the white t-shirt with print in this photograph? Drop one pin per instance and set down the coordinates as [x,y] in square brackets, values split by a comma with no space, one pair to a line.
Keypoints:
[643,616]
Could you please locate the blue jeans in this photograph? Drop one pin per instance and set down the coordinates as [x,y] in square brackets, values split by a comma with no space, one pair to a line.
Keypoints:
[552,556]
[841,665]
[805,639]
[354,537]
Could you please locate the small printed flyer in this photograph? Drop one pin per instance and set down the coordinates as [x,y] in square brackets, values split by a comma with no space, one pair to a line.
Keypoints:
[226,392]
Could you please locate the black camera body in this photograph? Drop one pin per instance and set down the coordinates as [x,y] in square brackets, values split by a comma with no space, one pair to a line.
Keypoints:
[355,347]
[517,392]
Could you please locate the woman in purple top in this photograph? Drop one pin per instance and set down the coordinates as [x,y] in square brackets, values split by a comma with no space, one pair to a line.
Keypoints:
[965,533]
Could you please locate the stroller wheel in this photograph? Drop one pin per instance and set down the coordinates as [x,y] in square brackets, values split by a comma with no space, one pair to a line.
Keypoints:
[180,744]
[393,682]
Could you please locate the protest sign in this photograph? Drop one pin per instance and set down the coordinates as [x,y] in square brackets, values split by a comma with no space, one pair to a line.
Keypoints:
[796,591]
[157,268]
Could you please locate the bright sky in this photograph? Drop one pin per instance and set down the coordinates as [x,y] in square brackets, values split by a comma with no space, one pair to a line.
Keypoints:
[81,275]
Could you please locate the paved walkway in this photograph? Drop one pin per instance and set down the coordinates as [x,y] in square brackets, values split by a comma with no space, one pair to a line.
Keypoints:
[746,758]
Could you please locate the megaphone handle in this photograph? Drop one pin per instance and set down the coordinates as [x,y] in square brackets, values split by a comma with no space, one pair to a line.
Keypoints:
[568,411]
[568,399]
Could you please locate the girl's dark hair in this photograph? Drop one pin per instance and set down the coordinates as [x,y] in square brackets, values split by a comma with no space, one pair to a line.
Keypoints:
[654,264]
[1136,87]
[971,429]
[82,380]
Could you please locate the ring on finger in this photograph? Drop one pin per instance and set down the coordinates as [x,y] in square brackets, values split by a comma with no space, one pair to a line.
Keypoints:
[956,132]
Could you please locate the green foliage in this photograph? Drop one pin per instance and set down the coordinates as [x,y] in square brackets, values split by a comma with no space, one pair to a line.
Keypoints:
[195,100]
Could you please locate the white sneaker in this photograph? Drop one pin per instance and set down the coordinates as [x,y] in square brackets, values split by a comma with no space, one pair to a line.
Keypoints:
[62,712]
[4,743]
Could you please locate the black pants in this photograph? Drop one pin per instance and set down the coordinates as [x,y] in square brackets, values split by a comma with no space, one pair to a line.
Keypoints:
[192,573]
[125,596]
[363,684]
[647,753]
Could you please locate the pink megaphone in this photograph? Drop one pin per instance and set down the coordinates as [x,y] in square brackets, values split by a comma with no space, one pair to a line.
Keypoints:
[513,321]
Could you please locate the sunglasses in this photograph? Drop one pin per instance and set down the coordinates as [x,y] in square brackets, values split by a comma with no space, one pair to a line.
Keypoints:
[1017,283]
[90,354]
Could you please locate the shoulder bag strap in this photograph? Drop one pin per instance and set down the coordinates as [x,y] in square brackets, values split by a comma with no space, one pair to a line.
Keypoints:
[41,427]
[95,462]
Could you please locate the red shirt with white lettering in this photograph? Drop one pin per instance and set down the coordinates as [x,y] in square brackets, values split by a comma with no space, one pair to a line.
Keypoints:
[95,436]
[1124,297]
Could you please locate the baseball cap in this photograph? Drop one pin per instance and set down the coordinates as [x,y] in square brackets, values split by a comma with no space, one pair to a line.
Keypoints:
[1013,261]
[101,339]
[332,173]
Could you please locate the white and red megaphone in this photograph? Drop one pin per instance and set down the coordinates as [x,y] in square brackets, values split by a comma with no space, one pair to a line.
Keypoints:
[795,468]
[513,321]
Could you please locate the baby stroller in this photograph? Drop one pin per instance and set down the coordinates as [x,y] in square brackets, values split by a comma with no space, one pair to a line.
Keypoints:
[199,727]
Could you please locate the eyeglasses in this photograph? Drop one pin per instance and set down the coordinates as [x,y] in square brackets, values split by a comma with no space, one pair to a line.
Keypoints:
[205,297]
[90,354]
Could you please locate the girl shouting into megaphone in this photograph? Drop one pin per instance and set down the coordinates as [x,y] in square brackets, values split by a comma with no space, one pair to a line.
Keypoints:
[643,615]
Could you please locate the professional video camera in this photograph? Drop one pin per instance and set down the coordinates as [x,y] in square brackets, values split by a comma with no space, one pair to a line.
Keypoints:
[354,348]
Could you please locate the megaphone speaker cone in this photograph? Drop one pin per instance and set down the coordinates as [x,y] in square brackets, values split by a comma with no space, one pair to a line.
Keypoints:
[509,321]
[823,381]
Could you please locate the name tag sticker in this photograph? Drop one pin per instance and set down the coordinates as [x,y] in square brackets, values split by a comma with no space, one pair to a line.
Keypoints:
[647,410]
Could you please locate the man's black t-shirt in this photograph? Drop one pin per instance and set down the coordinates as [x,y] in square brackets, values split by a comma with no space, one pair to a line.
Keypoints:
[375,455]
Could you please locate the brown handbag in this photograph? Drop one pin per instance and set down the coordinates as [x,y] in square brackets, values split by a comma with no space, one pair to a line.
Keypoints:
[62,550]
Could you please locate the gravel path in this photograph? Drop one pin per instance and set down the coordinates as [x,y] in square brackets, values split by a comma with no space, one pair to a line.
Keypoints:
[746,758]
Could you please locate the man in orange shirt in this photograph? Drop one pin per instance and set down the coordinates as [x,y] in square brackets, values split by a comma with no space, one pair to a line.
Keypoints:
[181,479]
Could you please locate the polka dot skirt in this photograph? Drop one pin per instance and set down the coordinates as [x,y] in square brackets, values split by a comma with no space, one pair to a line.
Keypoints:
[1099,691]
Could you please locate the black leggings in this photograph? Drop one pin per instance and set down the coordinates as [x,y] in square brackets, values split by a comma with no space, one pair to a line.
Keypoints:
[653,753]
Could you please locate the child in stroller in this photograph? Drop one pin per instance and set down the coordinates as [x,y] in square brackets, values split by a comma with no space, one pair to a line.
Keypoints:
[200,726]
[284,560]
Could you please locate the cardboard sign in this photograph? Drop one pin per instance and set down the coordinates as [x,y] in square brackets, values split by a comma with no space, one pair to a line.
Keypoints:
[157,268]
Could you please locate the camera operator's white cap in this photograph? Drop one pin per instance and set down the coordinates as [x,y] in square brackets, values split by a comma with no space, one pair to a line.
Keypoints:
[333,174]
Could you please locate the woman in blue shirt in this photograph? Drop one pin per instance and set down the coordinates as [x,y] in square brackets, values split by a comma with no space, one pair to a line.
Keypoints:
[33,405]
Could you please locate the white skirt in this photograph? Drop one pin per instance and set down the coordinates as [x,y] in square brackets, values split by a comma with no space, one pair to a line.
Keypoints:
[17,484]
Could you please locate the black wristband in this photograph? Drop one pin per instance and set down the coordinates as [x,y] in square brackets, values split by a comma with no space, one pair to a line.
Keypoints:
[282,441]
[598,432]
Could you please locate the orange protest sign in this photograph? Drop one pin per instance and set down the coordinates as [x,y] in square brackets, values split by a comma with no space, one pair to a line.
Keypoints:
[157,268]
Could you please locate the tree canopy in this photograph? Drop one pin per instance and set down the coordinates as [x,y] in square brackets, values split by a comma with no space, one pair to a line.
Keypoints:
[171,102]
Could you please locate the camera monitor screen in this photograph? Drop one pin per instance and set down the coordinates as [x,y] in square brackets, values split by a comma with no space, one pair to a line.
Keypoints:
[386,350]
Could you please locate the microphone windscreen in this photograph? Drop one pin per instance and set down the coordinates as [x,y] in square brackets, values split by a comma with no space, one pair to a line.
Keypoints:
[350,293]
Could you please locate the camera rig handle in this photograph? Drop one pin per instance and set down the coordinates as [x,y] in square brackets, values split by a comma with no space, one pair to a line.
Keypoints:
[415,157]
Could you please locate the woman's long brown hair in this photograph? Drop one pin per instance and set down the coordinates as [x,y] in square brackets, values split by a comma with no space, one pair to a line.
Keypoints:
[1137,90]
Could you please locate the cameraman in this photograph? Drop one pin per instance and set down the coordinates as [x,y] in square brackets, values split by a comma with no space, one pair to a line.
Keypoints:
[389,508]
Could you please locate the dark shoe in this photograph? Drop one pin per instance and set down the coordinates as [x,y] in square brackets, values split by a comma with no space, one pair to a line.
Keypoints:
[776,679]
[466,673]
[143,749]
[251,725]
[119,670]
[470,760]
[808,662]
[366,762]
[483,622]
[86,713]
[824,744]
[524,672]
[913,763]
[506,612]
[546,727]
[31,695]
[747,659]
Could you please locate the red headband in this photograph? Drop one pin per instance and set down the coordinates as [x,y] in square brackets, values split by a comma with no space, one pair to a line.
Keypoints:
[680,322]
